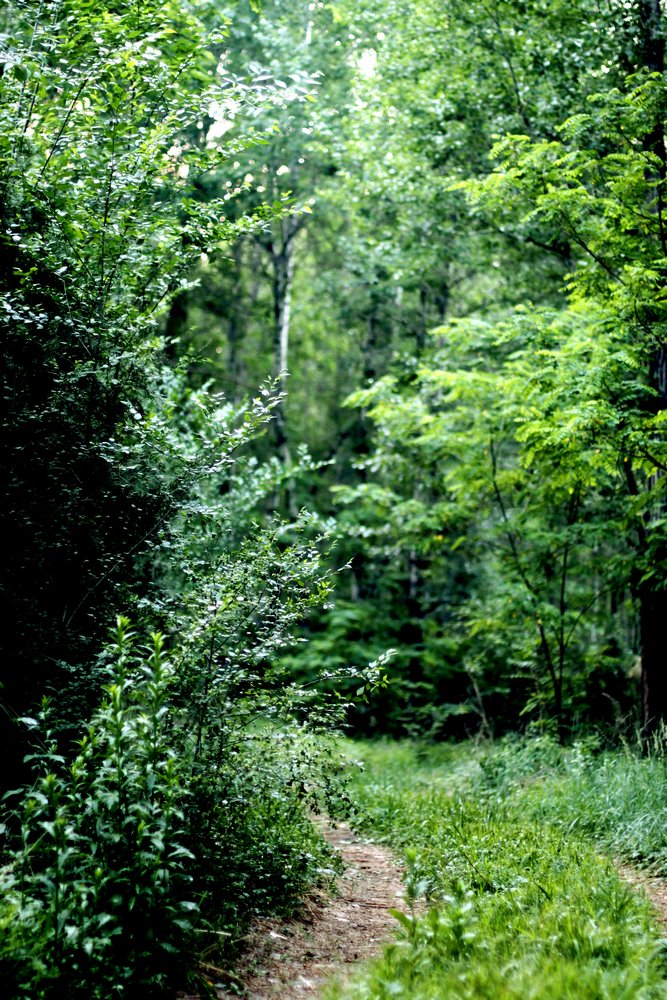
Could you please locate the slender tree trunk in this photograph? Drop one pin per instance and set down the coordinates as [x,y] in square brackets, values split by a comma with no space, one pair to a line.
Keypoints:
[236,328]
[442,301]
[281,254]
[422,326]
[176,324]
[371,344]
[652,593]
[283,275]
[553,667]
[652,618]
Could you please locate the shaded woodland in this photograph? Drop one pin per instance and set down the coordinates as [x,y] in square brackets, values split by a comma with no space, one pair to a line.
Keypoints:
[334,374]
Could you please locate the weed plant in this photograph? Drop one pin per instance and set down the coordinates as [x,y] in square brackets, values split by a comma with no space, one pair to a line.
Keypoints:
[127,861]
[97,888]
[521,903]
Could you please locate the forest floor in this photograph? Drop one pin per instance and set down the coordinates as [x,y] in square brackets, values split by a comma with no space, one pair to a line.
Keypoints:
[653,886]
[293,959]
[500,826]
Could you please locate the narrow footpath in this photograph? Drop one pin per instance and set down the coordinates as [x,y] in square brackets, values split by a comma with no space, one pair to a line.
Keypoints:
[293,959]
[652,886]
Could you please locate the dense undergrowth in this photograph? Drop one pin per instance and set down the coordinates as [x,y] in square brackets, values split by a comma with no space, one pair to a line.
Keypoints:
[151,849]
[512,849]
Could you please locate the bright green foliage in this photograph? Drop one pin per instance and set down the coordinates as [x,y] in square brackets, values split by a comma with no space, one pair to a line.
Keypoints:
[483,505]
[436,84]
[252,311]
[603,188]
[528,442]
[99,888]
[519,907]
[498,467]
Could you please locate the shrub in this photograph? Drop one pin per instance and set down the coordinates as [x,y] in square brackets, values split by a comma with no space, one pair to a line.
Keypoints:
[173,816]
[99,879]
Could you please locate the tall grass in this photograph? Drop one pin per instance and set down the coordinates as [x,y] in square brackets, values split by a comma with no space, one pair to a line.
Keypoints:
[505,845]
[617,799]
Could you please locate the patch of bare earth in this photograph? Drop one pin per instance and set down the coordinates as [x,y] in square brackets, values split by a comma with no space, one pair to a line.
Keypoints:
[293,959]
[653,886]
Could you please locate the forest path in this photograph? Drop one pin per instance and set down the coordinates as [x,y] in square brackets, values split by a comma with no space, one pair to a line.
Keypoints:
[652,886]
[293,959]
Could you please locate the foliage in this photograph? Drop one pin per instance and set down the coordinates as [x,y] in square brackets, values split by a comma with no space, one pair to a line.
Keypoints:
[498,481]
[100,226]
[154,827]
[254,306]
[527,441]
[452,215]
[100,878]
[129,489]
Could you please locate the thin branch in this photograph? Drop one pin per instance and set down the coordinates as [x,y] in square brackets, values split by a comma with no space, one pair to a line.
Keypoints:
[64,124]
[534,597]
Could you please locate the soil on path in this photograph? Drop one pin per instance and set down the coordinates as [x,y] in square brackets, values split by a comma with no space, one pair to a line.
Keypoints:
[653,886]
[294,959]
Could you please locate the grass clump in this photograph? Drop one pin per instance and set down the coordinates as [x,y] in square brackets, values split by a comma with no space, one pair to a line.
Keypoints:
[521,904]
[617,798]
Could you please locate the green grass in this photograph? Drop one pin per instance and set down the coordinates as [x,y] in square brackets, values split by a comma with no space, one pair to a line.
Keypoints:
[506,846]
[618,799]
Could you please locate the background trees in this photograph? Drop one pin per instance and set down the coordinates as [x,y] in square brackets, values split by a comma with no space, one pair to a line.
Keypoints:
[510,413]
[399,263]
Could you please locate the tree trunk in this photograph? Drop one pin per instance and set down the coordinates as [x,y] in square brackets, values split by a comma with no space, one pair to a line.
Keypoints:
[651,593]
[236,329]
[283,274]
[652,618]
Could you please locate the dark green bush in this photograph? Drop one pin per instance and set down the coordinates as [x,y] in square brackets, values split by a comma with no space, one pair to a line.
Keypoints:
[157,828]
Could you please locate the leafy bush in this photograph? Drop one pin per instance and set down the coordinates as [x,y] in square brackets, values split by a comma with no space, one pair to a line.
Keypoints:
[255,849]
[99,879]
[117,856]
[101,225]
[187,802]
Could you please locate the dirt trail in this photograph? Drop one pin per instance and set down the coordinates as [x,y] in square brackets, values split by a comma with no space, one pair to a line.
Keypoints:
[652,885]
[293,959]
